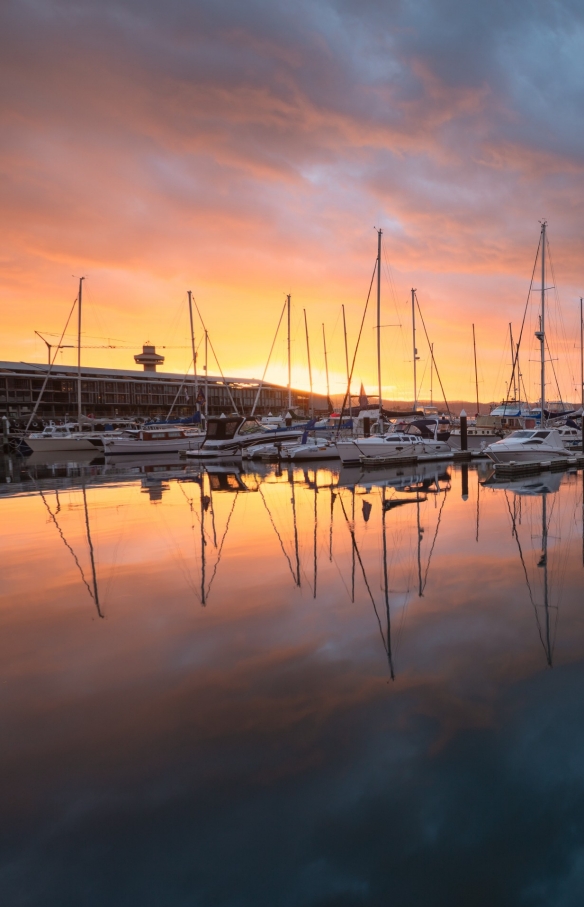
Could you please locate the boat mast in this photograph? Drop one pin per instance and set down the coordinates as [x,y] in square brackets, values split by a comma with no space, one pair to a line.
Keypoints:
[582,368]
[542,322]
[288,301]
[415,352]
[379,233]
[328,389]
[474,346]
[309,366]
[193,349]
[206,376]
[79,301]
[347,363]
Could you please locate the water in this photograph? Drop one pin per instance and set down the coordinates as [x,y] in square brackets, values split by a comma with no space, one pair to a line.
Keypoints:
[282,725]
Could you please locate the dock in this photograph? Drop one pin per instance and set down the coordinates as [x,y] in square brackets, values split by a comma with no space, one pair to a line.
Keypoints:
[518,470]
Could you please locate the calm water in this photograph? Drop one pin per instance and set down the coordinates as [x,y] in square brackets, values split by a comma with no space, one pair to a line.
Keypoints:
[276,689]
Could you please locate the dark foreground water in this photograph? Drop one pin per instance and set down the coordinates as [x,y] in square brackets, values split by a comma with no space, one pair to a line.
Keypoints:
[309,689]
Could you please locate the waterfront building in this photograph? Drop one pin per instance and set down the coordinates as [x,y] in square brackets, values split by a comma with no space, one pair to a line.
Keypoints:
[121,393]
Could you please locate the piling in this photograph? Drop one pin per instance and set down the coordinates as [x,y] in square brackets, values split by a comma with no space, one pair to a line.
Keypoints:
[463,431]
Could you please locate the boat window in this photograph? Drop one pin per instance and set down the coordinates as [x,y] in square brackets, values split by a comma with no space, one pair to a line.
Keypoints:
[251,427]
[541,434]
[222,429]
[173,434]
[522,434]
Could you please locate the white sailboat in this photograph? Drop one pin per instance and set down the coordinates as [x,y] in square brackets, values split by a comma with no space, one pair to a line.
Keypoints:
[533,445]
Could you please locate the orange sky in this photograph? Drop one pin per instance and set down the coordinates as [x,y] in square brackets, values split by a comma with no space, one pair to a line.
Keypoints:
[249,151]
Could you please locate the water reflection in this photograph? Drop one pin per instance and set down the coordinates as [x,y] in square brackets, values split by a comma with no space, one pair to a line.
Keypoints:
[308,686]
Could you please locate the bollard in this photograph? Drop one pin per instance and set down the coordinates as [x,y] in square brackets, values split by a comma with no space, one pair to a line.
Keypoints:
[463,431]
[464,468]
[366,426]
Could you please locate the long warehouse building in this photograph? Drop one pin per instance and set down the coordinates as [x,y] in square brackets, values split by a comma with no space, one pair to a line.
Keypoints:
[124,394]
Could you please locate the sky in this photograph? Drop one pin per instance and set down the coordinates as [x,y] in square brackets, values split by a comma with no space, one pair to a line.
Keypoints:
[248,151]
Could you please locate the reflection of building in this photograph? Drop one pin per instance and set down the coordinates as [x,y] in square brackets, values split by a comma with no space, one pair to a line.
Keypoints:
[127,393]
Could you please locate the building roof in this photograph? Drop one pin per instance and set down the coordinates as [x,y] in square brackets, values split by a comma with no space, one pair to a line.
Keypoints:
[33,369]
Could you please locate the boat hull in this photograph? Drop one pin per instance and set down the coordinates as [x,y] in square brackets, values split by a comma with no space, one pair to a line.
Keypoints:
[130,446]
[526,456]
[352,452]
[54,445]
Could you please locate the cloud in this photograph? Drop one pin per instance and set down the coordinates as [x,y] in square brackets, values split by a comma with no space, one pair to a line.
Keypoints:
[249,149]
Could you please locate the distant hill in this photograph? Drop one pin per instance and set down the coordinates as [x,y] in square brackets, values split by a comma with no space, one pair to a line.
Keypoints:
[455,405]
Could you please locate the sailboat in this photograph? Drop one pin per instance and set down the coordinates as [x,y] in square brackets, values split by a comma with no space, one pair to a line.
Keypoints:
[392,445]
[533,445]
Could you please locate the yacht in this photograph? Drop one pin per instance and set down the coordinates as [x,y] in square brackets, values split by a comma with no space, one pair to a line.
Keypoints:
[71,437]
[153,440]
[528,446]
[228,435]
[393,445]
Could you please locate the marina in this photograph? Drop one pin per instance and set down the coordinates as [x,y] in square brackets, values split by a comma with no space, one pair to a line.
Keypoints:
[292,454]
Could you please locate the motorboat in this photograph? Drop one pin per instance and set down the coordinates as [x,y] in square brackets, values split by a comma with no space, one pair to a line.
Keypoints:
[528,446]
[230,435]
[312,449]
[153,440]
[393,445]
[68,437]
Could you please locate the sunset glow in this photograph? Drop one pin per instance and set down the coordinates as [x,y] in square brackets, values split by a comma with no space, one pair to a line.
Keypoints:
[247,151]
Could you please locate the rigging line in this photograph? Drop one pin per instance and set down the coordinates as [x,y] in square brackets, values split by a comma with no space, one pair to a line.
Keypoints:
[255,402]
[434,540]
[348,391]
[559,313]
[284,552]
[356,550]
[191,504]
[221,545]
[216,359]
[91,552]
[52,362]
[432,353]
[515,533]
[182,384]
[516,351]
[554,371]
[65,542]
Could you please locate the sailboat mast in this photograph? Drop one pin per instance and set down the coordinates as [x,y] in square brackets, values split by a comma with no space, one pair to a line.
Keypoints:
[79,301]
[206,375]
[309,365]
[288,302]
[193,348]
[474,346]
[542,324]
[582,366]
[414,350]
[328,389]
[379,233]
[347,363]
